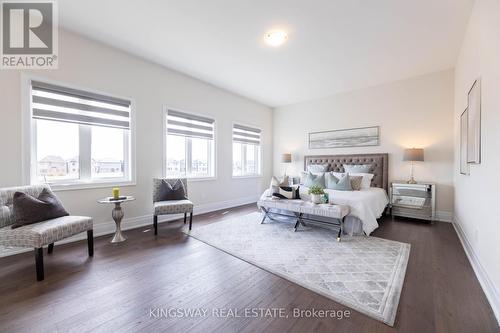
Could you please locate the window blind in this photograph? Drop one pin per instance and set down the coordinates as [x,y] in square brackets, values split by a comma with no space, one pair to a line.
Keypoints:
[51,102]
[188,125]
[245,134]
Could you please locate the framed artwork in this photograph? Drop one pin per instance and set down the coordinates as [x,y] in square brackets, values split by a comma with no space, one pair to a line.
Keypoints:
[464,166]
[474,124]
[353,137]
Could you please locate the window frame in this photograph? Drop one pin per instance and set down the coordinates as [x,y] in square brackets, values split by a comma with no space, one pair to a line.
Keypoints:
[243,152]
[165,138]
[29,144]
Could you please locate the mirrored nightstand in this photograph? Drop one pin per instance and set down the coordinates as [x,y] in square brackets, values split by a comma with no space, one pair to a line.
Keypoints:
[413,200]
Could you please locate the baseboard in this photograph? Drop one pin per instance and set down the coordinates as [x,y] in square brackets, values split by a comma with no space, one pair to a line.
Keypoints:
[444,216]
[108,227]
[489,289]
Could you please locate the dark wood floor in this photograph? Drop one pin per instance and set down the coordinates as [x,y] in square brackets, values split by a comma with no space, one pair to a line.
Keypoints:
[116,289]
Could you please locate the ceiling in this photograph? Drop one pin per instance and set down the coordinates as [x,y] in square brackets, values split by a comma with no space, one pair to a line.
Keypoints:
[333,45]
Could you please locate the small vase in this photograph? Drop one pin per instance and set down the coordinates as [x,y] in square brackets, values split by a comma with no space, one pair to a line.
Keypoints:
[316,198]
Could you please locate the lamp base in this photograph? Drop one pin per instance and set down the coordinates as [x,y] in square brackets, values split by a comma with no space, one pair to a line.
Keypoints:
[411,181]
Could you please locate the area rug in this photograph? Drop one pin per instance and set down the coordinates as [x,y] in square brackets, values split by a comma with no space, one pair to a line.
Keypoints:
[363,273]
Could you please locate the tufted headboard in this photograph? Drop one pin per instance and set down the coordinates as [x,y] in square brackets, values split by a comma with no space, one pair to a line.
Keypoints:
[379,162]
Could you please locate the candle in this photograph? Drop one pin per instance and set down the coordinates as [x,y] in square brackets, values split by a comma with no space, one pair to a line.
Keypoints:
[116,193]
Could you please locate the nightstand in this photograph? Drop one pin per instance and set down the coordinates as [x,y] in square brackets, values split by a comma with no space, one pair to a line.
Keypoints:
[413,200]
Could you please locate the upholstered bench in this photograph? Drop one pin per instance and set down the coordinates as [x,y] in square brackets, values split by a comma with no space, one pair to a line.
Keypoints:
[305,211]
[39,234]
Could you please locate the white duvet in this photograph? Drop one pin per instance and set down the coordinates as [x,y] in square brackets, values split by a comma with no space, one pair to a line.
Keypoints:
[367,204]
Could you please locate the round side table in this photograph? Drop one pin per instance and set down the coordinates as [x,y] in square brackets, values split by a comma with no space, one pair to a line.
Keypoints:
[117,215]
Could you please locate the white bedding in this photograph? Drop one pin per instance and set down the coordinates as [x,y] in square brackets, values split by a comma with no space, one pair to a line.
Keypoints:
[366,204]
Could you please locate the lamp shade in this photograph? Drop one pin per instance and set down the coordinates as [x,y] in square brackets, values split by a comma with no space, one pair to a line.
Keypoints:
[414,155]
[286,158]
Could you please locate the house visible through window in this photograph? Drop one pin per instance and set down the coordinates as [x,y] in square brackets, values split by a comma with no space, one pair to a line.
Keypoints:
[78,137]
[246,151]
[190,150]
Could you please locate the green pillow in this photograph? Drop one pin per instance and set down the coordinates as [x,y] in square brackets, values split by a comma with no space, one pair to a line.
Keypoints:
[314,180]
[334,183]
[330,180]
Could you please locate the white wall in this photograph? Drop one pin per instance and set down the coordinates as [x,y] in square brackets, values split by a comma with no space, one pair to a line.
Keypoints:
[412,113]
[92,65]
[477,196]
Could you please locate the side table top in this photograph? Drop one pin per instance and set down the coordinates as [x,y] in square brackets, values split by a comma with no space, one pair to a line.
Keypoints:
[111,200]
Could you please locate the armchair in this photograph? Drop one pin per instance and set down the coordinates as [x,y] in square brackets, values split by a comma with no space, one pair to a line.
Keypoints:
[39,234]
[171,206]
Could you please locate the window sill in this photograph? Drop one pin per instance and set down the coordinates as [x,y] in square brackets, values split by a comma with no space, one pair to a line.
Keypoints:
[56,187]
[247,177]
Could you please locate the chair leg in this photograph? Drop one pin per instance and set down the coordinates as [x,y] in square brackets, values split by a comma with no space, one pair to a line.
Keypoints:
[39,263]
[90,242]
[190,220]
[185,217]
[155,224]
[51,248]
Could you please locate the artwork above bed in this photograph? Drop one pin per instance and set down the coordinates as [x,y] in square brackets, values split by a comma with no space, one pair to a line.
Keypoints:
[379,165]
[352,137]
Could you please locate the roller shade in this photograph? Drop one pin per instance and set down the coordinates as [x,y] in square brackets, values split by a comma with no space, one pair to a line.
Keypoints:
[188,125]
[52,102]
[245,134]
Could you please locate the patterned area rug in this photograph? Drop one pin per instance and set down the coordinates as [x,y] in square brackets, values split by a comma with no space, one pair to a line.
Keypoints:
[363,273]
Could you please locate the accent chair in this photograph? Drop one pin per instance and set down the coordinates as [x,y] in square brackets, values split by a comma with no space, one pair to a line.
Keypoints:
[171,206]
[37,235]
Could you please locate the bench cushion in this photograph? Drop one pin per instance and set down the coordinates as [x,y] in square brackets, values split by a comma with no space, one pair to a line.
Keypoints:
[305,207]
[173,207]
[43,233]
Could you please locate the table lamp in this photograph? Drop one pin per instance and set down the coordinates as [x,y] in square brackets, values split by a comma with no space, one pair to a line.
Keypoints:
[287,159]
[413,155]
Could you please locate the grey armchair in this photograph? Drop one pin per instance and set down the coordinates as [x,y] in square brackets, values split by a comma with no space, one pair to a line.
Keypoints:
[39,234]
[171,206]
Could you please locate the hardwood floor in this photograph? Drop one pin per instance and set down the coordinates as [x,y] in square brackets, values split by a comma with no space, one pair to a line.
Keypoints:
[116,290]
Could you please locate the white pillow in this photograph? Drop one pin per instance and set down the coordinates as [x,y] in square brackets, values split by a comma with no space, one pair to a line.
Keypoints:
[365,183]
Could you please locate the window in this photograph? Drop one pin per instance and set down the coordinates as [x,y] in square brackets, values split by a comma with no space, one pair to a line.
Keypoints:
[190,150]
[246,151]
[78,137]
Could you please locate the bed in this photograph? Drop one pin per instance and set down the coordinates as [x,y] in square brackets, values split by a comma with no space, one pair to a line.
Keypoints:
[366,205]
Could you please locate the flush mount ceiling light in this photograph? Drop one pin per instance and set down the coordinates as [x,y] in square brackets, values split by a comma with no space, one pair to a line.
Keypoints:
[275,38]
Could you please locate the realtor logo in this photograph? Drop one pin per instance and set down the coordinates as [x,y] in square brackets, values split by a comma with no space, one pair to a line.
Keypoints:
[29,35]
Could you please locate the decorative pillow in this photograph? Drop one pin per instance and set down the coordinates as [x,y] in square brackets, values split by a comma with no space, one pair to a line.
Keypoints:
[340,184]
[317,168]
[275,185]
[331,180]
[29,210]
[367,179]
[175,192]
[276,182]
[286,192]
[357,168]
[356,182]
[314,180]
[338,174]
[303,176]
